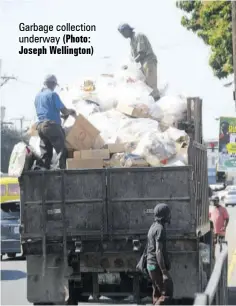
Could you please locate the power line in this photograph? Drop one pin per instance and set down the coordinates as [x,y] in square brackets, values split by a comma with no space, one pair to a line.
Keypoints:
[6,79]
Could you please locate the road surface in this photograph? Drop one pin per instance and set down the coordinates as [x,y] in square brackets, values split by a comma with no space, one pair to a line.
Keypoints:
[13,272]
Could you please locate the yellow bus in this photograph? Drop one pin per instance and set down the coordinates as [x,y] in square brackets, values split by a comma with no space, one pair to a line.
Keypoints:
[10,189]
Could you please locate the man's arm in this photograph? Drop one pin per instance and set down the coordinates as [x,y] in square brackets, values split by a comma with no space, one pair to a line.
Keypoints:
[210,193]
[226,218]
[226,223]
[61,107]
[141,47]
[160,257]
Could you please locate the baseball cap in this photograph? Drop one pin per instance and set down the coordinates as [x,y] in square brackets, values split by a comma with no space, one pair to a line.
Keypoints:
[124,26]
[50,78]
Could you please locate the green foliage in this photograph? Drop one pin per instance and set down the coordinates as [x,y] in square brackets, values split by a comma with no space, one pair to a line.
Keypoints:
[212,22]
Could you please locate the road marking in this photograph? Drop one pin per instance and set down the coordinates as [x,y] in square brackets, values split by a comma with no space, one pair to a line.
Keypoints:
[232,266]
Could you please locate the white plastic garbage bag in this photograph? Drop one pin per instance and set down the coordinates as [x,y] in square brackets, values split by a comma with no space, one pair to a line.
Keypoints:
[156,112]
[156,148]
[85,108]
[21,157]
[132,130]
[134,95]
[173,109]
[34,142]
[108,124]
[176,134]
[132,72]
[17,159]
[106,87]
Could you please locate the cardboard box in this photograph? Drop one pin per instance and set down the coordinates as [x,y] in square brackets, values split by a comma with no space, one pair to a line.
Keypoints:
[82,135]
[77,155]
[136,163]
[107,163]
[70,153]
[98,143]
[72,163]
[140,111]
[115,147]
[95,154]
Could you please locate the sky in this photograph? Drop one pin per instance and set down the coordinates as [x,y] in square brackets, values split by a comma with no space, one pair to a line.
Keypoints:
[182,56]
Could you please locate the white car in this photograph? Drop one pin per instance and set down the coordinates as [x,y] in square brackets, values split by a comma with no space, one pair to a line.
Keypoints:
[230,198]
[230,187]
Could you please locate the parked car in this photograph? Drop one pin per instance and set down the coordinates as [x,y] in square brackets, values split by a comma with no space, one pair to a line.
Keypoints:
[230,187]
[10,224]
[230,198]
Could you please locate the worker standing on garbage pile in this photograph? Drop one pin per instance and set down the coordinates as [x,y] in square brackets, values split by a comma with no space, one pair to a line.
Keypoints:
[158,263]
[48,107]
[220,218]
[142,53]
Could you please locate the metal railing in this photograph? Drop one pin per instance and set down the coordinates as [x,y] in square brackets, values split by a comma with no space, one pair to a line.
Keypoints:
[216,292]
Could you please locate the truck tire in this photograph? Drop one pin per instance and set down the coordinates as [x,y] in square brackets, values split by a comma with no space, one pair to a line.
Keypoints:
[44,304]
[74,300]
[118,298]
[75,295]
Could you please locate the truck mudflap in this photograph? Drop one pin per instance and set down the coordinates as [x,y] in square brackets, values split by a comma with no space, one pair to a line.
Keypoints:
[216,292]
[47,281]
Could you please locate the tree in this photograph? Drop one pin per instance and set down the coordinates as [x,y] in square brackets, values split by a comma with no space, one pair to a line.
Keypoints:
[9,138]
[212,22]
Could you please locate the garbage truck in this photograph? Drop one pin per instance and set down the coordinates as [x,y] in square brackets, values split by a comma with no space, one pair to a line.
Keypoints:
[87,228]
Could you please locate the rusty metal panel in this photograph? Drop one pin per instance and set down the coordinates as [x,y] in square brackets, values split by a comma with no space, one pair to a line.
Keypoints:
[197,154]
[193,118]
[63,203]
[185,273]
[133,193]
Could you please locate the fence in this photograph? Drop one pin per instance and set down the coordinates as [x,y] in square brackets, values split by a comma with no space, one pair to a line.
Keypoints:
[216,292]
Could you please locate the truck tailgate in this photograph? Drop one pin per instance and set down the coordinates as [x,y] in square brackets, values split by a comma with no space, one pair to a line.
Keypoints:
[58,203]
[133,193]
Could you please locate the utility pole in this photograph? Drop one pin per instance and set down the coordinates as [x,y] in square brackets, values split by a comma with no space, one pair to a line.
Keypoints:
[22,120]
[4,79]
[234,45]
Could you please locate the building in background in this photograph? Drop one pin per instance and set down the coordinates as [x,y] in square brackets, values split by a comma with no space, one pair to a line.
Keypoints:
[212,159]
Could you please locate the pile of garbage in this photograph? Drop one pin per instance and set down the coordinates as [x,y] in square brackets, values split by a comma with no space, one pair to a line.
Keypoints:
[116,113]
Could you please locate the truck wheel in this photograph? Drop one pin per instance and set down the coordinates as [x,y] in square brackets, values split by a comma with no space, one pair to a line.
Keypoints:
[74,300]
[44,304]
[11,255]
[118,298]
[75,294]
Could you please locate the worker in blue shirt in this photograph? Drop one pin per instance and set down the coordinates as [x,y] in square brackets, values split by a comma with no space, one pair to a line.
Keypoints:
[48,107]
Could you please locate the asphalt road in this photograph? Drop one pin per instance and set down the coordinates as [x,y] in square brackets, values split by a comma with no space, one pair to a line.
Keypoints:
[13,272]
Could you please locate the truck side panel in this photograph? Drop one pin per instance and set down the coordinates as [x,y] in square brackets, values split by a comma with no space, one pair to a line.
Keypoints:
[198,159]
